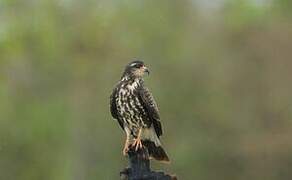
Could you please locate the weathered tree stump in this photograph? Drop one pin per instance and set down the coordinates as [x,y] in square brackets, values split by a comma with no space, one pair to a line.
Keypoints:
[139,168]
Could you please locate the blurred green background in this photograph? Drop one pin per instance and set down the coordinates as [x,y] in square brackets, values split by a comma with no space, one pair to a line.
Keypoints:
[220,72]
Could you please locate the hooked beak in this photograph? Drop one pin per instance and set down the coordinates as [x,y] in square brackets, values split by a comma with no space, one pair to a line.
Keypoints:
[145,69]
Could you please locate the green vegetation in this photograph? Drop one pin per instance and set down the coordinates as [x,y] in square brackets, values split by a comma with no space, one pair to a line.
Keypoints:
[221,75]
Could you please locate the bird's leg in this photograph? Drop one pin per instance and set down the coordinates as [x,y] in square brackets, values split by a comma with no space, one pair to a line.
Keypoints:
[126,146]
[138,143]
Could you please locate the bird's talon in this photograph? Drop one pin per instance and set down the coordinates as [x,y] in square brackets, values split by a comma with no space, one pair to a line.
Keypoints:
[125,151]
[126,147]
[137,144]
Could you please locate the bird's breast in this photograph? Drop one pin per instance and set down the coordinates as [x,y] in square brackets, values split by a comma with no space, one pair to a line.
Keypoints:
[129,105]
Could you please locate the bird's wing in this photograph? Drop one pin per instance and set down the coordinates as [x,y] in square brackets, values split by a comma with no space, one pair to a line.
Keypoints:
[113,108]
[151,109]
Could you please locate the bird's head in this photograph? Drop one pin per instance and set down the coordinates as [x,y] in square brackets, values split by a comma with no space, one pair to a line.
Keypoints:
[136,69]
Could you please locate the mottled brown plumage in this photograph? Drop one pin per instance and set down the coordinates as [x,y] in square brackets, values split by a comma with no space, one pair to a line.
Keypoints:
[135,109]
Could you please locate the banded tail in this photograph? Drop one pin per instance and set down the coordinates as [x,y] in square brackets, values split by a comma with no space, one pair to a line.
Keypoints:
[156,152]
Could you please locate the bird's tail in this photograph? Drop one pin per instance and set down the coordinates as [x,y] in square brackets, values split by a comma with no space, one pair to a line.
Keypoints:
[156,151]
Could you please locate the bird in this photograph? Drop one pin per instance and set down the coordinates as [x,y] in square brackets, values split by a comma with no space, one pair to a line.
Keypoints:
[133,106]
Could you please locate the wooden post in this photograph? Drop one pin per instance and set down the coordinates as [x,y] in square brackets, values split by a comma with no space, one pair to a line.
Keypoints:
[139,168]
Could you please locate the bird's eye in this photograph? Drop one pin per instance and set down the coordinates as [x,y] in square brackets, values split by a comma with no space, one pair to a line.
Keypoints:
[138,65]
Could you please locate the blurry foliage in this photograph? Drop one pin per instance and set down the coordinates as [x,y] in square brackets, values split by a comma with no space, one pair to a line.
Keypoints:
[221,77]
